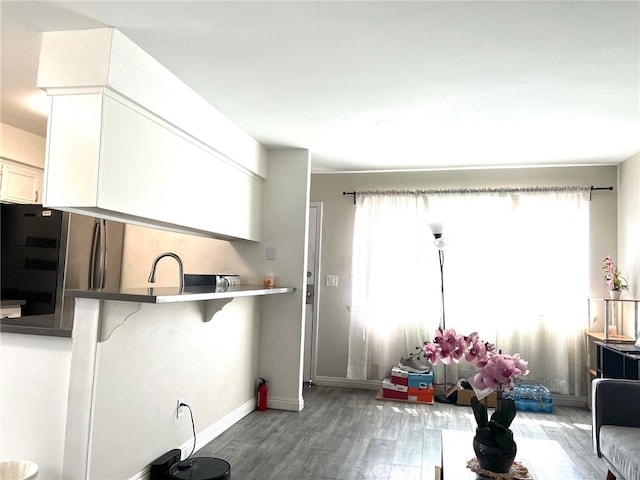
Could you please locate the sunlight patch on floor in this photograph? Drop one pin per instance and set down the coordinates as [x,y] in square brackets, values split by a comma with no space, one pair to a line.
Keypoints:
[552,424]
[582,426]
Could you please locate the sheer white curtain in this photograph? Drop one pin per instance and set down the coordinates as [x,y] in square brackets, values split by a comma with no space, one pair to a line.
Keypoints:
[389,308]
[515,271]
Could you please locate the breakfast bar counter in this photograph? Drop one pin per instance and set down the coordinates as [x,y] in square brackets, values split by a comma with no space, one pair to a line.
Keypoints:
[176,294]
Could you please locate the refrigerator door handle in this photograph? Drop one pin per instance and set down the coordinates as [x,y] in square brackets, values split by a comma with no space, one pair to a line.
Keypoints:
[97,271]
[92,255]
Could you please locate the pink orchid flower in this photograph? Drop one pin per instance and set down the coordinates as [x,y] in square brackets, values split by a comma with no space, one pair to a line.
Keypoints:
[476,350]
[495,370]
[430,352]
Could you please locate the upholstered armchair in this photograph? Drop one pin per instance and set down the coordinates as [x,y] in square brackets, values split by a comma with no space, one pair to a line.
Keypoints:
[616,426]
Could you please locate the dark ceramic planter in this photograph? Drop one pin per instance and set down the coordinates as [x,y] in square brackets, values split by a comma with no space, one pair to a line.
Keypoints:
[490,456]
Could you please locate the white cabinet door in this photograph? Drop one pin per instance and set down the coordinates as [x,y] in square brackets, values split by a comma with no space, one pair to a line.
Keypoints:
[20,184]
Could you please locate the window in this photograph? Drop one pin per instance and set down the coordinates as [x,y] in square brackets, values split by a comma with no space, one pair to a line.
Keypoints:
[515,271]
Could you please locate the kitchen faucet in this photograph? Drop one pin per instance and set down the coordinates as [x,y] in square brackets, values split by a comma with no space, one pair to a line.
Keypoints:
[152,275]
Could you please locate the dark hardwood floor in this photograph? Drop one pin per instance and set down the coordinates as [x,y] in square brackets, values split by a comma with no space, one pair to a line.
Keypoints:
[346,434]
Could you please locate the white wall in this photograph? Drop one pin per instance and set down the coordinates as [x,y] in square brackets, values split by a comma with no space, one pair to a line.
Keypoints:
[285,215]
[34,381]
[337,235]
[629,234]
[198,254]
[21,146]
[284,227]
[163,353]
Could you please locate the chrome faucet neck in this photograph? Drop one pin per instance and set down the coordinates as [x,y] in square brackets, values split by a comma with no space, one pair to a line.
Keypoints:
[152,275]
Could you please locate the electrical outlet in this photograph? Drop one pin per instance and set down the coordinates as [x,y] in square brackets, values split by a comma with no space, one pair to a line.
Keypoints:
[179,408]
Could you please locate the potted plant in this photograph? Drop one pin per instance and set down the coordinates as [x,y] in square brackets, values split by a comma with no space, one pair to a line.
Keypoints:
[493,443]
[613,279]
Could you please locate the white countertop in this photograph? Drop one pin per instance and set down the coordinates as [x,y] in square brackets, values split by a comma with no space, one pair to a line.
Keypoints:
[176,294]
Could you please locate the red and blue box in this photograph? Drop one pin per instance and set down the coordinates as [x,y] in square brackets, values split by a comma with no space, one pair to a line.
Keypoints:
[393,390]
[399,376]
[420,380]
[423,395]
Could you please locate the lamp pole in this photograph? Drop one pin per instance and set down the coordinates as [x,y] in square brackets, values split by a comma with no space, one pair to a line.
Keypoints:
[443,323]
[440,242]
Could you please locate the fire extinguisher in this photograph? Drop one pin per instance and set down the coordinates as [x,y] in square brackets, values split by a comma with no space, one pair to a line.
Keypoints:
[263,393]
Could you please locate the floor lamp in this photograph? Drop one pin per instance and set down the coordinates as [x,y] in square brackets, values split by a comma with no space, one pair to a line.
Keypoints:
[440,241]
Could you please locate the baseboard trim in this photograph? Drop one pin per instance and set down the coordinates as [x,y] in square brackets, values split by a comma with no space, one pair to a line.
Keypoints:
[569,401]
[348,383]
[143,475]
[208,434]
[286,404]
[219,427]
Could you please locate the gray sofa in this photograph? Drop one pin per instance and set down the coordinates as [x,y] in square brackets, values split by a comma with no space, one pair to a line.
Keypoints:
[616,426]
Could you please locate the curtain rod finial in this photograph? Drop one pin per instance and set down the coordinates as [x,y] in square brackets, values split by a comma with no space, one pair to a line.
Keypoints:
[354,193]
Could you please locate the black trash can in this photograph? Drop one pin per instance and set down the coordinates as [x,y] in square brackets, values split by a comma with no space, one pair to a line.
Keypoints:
[201,468]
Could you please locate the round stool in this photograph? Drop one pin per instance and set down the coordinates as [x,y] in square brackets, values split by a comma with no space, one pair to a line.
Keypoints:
[201,468]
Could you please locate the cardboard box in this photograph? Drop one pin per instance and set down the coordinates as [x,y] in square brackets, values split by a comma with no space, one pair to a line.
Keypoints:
[399,376]
[464,398]
[421,395]
[392,390]
[420,380]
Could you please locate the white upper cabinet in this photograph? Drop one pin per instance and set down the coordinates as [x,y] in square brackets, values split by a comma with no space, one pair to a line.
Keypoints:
[20,183]
[21,164]
[129,141]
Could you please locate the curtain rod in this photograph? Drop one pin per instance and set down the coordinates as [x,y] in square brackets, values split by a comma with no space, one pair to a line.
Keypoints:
[479,190]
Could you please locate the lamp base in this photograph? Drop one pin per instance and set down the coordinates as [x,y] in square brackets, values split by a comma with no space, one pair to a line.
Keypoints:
[444,399]
[450,395]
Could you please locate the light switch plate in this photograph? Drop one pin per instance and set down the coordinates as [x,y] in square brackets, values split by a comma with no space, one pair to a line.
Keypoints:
[271,253]
[332,280]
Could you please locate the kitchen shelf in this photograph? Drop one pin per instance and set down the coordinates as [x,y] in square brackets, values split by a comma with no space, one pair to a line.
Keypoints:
[176,294]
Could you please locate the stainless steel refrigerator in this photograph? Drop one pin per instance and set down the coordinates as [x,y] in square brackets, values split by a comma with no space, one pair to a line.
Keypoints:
[46,251]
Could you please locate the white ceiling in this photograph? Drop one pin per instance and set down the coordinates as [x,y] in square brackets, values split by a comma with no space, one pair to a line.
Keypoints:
[380,85]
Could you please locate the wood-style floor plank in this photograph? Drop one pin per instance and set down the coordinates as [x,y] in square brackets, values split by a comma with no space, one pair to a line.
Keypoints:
[346,434]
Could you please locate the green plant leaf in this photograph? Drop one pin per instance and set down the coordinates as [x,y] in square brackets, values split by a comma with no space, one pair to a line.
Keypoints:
[506,414]
[502,435]
[480,412]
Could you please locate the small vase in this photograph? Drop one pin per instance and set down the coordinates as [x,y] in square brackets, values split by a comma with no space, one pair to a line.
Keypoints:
[490,456]
[615,294]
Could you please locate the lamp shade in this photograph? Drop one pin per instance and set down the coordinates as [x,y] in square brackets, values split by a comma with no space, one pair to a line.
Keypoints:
[437,228]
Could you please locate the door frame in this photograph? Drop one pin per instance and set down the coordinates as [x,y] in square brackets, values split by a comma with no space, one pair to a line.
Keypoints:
[316,296]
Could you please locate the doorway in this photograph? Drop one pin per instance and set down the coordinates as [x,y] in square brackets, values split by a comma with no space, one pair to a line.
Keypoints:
[313,294]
